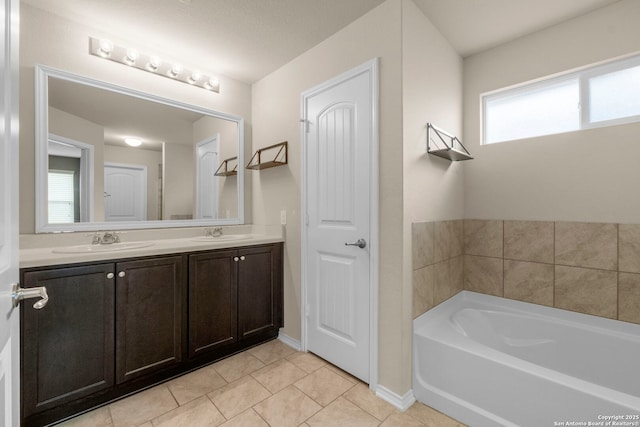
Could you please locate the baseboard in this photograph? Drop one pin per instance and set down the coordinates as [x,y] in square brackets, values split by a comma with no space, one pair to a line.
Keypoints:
[402,403]
[295,344]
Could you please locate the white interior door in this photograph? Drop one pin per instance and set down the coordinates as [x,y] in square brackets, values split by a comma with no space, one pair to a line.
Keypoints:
[206,182]
[338,148]
[125,188]
[9,324]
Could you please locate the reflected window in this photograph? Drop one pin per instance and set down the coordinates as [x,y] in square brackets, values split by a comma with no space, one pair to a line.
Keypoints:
[62,200]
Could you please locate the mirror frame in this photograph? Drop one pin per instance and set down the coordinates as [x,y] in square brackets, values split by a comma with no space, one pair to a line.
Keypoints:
[42,74]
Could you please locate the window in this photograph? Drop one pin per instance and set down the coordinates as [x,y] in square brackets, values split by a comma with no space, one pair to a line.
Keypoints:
[598,96]
[61,197]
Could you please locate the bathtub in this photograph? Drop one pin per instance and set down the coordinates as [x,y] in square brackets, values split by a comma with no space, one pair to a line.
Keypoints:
[490,361]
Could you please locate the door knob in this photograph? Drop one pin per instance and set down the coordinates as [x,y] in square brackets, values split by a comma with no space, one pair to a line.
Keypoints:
[361,243]
[18,294]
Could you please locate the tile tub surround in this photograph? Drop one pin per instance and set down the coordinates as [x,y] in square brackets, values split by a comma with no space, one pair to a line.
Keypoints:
[437,263]
[591,268]
[268,385]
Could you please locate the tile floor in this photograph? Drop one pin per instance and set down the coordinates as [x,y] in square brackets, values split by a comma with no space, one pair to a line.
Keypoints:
[268,385]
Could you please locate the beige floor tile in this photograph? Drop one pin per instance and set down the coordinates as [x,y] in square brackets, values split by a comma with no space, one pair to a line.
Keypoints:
[142,407]
[248,418]
[236,367]
[271,351]
[342,373]
[197,413]
[287,408]
[341,412]
[308,362]
[278,375]
[367,400]
[195,384]
[430,416]
[401,420]
[324,386]
[100,417]
[238,396]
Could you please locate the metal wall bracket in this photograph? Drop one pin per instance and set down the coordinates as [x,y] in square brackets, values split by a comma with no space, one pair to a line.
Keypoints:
[445,145]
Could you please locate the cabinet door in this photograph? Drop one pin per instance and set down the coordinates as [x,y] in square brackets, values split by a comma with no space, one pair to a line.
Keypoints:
[259,290]
[149,316]
[68,346]
[212,301]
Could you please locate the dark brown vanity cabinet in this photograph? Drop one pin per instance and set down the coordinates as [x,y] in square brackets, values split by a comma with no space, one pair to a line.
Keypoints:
[234,295]
[112,328]
[150,308]
[104,325]
[68,346]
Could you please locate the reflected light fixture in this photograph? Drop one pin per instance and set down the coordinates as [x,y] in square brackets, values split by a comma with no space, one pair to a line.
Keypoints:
[133,142]
[104,48]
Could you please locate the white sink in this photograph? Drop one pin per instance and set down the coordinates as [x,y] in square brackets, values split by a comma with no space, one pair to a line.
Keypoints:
[223,238]
[87,249]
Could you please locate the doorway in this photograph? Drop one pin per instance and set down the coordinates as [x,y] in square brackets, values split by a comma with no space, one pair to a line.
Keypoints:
[340,229]
[125,192]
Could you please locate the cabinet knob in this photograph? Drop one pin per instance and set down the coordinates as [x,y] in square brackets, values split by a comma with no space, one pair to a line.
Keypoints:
[110,275]
[122,274]
[236,259]
[242,258]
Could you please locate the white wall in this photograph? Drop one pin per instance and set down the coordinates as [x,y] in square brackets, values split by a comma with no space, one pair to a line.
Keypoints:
[57,42]
[589,175]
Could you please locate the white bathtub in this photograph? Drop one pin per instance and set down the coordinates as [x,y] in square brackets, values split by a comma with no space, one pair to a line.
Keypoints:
[490,361]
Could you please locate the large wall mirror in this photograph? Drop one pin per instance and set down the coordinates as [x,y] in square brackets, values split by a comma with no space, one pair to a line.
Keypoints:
[89,178]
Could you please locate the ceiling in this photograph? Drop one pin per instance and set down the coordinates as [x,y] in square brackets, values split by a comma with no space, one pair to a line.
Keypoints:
[248,39]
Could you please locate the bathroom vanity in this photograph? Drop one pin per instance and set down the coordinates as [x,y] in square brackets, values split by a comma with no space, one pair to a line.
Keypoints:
[119,321]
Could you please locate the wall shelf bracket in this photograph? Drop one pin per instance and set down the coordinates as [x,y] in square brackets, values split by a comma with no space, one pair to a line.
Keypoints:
[228,167]
[276,156]
[445,145]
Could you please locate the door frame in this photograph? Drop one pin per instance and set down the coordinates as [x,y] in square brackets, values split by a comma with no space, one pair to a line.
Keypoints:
[370,67]
[9,218]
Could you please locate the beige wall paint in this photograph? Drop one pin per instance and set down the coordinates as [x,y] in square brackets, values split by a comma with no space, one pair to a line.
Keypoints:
[413,90]
[587,175]
[433,187]
[276,112]
[65,47]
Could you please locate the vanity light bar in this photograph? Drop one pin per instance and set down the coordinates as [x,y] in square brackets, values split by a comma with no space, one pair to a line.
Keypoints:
[104,48]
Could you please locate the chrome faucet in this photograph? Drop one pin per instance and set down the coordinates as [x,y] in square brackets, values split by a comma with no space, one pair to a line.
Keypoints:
[213,232]
[109,237]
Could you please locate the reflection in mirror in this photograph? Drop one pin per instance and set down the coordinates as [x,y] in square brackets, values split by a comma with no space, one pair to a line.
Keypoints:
[89,178]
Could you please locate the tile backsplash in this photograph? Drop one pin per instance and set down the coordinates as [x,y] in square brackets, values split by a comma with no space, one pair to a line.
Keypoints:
[592,268]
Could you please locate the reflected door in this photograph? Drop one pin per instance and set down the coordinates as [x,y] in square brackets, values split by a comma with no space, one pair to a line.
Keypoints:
[207,182]
[125,192]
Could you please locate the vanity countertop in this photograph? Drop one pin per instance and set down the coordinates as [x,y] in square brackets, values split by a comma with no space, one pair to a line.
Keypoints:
[45,251]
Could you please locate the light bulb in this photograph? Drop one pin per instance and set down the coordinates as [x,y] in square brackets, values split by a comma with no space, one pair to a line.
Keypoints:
[154,63]
[132,56]
[212,84]
[175,70]
[105,49]
[194,77]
